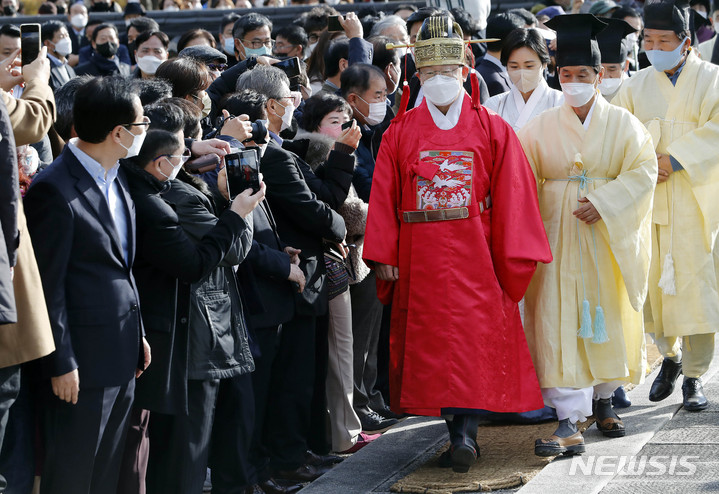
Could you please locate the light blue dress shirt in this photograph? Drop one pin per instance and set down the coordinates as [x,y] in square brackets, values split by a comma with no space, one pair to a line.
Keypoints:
[110,189]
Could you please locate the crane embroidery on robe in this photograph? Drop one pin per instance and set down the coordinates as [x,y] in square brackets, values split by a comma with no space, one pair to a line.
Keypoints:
[451,187]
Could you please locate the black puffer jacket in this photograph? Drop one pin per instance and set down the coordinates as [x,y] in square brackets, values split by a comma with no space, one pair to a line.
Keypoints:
[170,263]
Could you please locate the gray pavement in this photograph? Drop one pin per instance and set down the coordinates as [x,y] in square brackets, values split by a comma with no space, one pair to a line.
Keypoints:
[666,450]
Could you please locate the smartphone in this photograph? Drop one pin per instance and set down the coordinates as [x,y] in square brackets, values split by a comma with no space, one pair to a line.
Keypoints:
[290,66]
[205,163]
[29,42]
[348,124]
[333,24]
[243,172]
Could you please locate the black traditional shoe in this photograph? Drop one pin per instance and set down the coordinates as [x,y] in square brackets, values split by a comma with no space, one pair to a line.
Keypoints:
[694,399]
[463,456]
[374,422]
[663,385]
[445,459]
[608,422]
[566,440]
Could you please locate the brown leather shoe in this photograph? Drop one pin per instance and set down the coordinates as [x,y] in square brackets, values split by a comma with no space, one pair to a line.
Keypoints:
[608,422]
[555,445]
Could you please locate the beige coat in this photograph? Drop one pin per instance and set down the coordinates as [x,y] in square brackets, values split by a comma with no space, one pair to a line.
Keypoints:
[31,337]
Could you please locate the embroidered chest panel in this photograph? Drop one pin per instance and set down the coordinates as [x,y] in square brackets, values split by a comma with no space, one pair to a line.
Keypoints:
[451,187]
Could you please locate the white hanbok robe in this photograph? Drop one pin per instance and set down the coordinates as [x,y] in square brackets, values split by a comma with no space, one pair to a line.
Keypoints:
[512,108]
[684,123]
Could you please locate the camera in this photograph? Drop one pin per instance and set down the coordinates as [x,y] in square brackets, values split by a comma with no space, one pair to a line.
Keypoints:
[259,130]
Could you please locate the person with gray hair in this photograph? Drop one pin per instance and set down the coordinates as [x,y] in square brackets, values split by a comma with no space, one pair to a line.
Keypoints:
[283,413]
[392,26]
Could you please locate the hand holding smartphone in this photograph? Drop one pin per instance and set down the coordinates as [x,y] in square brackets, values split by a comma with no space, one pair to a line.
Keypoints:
[243,171]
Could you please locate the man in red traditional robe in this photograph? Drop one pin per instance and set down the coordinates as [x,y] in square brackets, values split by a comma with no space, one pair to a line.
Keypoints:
[454,229]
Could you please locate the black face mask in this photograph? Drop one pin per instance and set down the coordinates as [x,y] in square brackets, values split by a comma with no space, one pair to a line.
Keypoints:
[9,10]
[108,49]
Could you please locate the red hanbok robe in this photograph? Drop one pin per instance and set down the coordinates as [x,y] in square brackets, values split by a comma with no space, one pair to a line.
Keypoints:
[456,338]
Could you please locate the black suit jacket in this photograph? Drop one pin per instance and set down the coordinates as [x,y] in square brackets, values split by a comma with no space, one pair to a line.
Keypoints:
[302,222]
[90,291]
[58,76]
[78,40]
[497,80]
[270,269]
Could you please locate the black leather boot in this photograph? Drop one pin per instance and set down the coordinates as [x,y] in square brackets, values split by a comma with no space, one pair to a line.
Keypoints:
[694,399]
[463,450]
[663,385]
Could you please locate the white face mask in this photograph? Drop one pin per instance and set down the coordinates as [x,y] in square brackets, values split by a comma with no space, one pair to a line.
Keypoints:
[441,90]
[633,39]
[229,46]
[149,64]
[171,8]
[63,47]
[377,112]
[78,21]
[526,80]
[137,140]
[716,27]
[701,13]
[309,50]
[287,116]
[401,51]
[174,172]
[577,94]
[610,86]
[392,69]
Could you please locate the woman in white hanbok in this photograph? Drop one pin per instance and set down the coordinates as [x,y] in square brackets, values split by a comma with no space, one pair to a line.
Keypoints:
[525,56]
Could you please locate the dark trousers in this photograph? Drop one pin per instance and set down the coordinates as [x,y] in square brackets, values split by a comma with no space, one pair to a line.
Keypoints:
[283,382]
[134,458]
[216,431]
[366,324]
[84,442]
[17,457]
[9,389]
[319,437]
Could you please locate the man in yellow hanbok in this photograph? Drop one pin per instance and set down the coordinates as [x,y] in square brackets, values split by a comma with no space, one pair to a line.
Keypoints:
[596,170]
[678,101]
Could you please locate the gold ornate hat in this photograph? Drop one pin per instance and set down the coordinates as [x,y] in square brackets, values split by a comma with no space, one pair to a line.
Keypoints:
[439,42]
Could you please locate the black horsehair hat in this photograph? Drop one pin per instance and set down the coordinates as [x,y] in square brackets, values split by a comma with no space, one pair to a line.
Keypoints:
[577,39]
[667,15]
[611,41]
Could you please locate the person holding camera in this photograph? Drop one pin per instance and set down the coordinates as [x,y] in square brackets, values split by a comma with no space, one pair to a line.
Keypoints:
[302,220]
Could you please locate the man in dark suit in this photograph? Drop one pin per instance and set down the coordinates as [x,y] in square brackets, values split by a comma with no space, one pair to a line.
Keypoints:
[82,222]
[78,21]
[54,35]
[490,68]
[302,221]
[105,59]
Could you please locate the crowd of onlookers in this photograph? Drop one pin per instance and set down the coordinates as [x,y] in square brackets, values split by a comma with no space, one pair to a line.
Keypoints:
[152,327]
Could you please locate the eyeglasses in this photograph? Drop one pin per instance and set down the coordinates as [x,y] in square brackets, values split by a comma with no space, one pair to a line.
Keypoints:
[313,38]
[217,66]
[295,96]
[257,44]
[145,123]
[432,73]
[186,154]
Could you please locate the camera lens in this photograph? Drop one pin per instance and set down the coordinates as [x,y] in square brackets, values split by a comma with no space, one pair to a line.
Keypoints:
[259,132]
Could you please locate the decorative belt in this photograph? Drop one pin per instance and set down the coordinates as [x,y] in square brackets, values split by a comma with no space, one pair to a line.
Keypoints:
[426,215]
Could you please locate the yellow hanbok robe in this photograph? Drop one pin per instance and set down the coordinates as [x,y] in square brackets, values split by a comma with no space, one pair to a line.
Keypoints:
[684,123]
[616,155]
